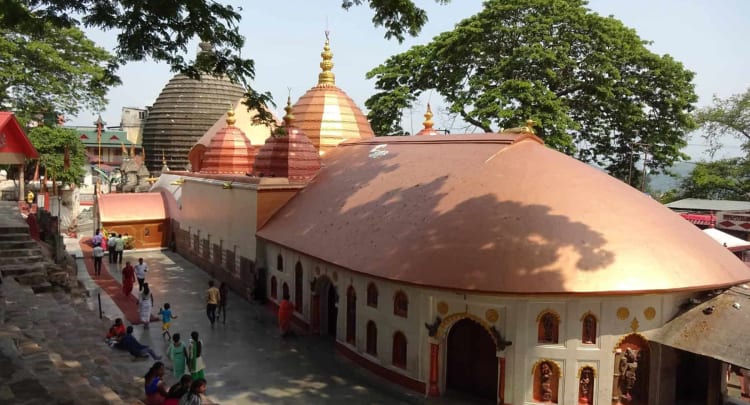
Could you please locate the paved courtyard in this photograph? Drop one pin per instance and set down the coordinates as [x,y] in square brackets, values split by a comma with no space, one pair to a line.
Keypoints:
[246,362]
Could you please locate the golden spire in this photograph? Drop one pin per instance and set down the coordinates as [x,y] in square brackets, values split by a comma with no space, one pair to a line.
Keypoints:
[230,118]
[326,77]
[289,117]
[163,158]
[428,118]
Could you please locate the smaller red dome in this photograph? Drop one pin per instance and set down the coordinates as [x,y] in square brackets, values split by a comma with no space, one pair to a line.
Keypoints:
[229,152]
[291,155]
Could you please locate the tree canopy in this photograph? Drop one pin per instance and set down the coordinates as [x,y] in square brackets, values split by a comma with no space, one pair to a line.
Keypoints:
[725,179]
[51,143]
[157,30]
[589,81]
[730,116]
[57,70]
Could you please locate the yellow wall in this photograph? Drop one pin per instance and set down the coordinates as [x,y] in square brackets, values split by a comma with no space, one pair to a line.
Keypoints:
[226,215]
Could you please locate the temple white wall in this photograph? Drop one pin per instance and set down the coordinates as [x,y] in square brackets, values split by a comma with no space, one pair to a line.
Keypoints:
[516,320]
[225,216]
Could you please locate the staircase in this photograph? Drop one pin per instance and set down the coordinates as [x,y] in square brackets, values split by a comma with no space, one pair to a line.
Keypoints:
[51,344]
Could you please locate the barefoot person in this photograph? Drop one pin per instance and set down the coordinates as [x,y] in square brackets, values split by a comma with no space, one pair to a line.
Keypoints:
[195,357]
[140,273]
[145,304]
[285,315]
[128,279]
[212,301]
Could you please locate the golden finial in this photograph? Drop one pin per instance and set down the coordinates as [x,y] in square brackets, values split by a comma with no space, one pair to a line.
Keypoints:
[326,77]
[428,118]
[289,117]
[230,118]
[163,158]
[530,124]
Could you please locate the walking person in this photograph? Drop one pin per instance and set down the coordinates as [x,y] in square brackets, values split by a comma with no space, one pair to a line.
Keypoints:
[98,255]
[212,301]
[285,315]
[166,319]
[128,279]
[140,273]
[195,357]
[119,248]
[145,304]
[178,353]
[223,295]
[111,244]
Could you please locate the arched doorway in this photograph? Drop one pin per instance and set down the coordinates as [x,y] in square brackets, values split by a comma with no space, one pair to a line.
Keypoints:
[471,360]
[324,300]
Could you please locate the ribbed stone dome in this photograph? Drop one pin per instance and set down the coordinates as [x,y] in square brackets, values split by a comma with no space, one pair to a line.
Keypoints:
[183,112]
[326,114]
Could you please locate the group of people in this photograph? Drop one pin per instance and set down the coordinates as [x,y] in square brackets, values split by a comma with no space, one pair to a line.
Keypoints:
[114,244]
[188,391]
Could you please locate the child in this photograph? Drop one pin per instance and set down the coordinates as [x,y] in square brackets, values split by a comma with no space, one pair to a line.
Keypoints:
[115,333]
[166,319]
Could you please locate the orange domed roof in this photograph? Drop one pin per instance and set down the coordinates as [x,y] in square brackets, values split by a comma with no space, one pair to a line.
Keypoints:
[326,114]
[427,130]
[496,214]
[229,152]
[289,155]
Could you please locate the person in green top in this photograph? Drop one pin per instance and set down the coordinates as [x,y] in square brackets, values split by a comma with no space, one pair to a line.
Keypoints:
[195,357]
[178,353]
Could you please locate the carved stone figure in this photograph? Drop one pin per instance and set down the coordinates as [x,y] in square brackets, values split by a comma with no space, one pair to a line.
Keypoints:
[628,375]
[545,380]
[586,386]
[135,175]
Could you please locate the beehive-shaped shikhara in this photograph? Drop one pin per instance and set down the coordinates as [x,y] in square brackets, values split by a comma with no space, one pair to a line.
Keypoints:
[289,153]
[326,114]
[184,110]
[229,152]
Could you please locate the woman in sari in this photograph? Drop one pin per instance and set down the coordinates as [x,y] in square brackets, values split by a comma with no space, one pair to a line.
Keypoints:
[285,314]
[154,386]
[195,357]
[128,279]
[145,304]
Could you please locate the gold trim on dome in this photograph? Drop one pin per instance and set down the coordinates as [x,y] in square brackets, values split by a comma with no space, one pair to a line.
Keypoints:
[491,315]
[442,307]
[649,313]
[591,366]
[428,118]
[230,118]
[326,77]
[623,313]
[554,364]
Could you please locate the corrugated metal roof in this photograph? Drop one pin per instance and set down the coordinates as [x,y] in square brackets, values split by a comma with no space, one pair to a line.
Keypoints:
[718,328]
[699,204]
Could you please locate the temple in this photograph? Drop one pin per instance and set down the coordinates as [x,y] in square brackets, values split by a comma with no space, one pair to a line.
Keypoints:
[486,264]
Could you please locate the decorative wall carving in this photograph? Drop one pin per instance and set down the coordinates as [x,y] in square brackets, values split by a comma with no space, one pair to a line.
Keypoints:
[649,313]
[623,313]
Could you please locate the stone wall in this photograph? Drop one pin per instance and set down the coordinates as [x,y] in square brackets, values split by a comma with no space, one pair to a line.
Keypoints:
[223,263]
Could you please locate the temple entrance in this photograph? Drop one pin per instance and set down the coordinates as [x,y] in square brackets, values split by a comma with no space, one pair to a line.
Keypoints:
[323,307]
[471,361]
[692,378]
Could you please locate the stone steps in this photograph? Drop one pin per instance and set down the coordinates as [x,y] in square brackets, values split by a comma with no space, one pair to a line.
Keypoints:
[22,268]
[59,344]
[13,260]
[18,244]
[14,230]
[14,236]
[20,252]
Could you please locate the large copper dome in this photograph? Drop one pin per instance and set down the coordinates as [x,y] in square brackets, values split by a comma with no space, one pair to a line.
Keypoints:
[183,112]
[326,114]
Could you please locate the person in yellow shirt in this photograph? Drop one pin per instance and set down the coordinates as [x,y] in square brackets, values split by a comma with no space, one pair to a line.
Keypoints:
[212,301]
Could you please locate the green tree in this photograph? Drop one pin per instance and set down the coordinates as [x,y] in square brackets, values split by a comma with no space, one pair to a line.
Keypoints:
[589,81]
[51,143]
[726,179]
[726,117]
[162,30]
[56,71]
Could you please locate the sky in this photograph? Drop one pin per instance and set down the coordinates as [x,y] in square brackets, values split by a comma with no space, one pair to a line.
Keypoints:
[286,40]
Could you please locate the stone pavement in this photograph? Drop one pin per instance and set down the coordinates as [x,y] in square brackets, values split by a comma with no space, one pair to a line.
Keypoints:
[246,362]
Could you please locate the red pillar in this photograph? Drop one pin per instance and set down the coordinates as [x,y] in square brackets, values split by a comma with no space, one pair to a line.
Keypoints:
[434,390]
[501,380]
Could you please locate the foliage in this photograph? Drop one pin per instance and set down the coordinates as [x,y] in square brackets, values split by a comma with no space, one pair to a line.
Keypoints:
[398,17]
[730,116]
[51,143]
[726,179]
[589,81]
[57,70]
